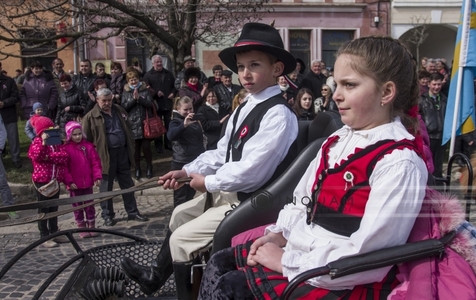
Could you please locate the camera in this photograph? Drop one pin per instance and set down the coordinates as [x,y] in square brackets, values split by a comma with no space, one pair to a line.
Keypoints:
[198,117]
[54,137]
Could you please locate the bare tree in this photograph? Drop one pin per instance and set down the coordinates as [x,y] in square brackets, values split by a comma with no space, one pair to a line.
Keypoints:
[171,26]
[418,34]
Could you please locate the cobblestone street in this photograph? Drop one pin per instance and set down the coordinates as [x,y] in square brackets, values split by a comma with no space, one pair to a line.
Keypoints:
[25,278]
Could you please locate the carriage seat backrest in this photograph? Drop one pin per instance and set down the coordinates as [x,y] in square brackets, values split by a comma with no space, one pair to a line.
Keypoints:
[264,205]
[324,125]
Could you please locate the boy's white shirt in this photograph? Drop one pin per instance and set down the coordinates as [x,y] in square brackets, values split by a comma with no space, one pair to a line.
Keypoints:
[398,186]
[261,154]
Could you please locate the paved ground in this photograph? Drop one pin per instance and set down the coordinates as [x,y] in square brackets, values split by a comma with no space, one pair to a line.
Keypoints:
[24,279]
[27,276]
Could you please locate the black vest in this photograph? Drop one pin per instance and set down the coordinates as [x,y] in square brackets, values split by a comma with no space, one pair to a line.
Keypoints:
[248,128]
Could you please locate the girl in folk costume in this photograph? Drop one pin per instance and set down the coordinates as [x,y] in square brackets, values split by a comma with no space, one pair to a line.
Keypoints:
[48,162]
[82,172]
[361,193]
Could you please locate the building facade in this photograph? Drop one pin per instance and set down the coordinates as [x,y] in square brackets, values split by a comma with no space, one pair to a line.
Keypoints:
[437,18]
[311,29]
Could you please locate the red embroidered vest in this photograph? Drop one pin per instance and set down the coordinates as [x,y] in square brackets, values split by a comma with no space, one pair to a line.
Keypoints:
[339,194]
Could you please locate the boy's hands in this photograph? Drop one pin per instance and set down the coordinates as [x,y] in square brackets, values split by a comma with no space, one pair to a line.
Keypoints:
[97,182]
[73,186]
[198,182]
[168,181]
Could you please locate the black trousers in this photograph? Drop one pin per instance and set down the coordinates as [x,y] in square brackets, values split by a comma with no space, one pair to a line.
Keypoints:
[184,193]
[438,151]
[222,280]
[119,168]
[48,226]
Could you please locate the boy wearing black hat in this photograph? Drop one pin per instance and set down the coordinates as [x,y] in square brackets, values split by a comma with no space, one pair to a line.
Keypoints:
[226,90]
[257,138]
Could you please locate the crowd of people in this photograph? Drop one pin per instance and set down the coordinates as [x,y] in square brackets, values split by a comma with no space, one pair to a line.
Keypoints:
[222,134]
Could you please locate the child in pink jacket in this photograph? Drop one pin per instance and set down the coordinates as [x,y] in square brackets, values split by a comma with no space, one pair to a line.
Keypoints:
[48,162]
[83,170]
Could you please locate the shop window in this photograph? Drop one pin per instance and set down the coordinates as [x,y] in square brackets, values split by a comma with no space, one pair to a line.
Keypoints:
[331,41]
[299,45]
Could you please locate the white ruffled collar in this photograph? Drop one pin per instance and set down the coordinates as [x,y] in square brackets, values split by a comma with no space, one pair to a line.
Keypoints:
[393,130]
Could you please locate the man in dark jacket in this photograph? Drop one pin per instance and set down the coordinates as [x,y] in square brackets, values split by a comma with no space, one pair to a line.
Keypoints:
[8,99]
[226,90]
[100,72]
[85,79]
[313,80]
[107,127]
[161,85]
[58,66]
[216,78]
[432,108]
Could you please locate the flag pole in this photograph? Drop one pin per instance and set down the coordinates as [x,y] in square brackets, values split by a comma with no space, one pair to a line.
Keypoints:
[456,111]
[461,64]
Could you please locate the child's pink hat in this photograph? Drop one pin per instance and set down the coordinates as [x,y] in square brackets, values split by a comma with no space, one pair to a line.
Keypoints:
[70,126]
[40,124]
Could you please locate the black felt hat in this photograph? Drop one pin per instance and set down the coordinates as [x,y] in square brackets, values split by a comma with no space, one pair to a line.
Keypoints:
[191,72]
[261,37]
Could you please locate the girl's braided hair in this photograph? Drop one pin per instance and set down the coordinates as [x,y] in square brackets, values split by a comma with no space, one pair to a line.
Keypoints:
[386,59]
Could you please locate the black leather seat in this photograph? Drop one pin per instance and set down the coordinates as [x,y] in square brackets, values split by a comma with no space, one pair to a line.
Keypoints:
[264,205]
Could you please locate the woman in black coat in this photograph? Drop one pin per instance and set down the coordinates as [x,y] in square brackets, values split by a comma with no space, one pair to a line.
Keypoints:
[212,116]
[71,104]
[192,88]
[186,135]
[118,81]
[303,106]
[137,101]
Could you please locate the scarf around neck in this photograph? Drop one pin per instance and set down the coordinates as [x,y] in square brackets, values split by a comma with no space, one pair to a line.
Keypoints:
[214,106]
[193,86]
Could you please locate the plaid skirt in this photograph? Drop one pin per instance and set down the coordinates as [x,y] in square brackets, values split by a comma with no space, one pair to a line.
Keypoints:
[266,284]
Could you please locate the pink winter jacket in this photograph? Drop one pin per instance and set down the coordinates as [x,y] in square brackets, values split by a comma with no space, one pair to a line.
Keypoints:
[43,158]
[83,166]
[450,277]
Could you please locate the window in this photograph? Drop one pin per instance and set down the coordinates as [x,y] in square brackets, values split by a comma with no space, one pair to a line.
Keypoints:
[331,41]
[37,51]
[138,53]
[299,45]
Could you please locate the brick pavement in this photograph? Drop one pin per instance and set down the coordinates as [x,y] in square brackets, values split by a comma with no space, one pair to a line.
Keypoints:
[24,279]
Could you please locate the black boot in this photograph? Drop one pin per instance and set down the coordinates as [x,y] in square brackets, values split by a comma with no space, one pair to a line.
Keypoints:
[151,279]
[138,173]
[183,279]
[149,172]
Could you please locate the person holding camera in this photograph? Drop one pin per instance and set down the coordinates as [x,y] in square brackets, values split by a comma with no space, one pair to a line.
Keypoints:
[49,162]
[186,135]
